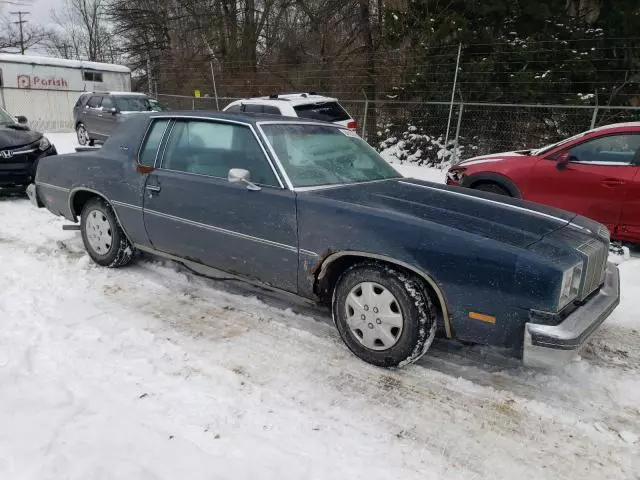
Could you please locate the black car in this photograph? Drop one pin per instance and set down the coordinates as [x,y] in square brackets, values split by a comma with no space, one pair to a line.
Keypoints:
[20,150]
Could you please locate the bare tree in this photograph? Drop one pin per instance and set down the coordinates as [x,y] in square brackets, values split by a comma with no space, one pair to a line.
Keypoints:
[83,32]
[10,36]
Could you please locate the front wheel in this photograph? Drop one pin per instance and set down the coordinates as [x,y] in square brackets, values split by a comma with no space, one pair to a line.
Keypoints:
[383,315]
[493,188]
[103,237]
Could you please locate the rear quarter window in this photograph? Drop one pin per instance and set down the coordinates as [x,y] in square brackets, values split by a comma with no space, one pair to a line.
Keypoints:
[324,111]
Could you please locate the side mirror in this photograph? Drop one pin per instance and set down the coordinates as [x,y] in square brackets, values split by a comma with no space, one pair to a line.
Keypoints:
[564,159]
[240,175]
[21,119]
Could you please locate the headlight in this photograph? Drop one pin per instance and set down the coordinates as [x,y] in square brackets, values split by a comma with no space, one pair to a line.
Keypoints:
[44,144]
[456,174]
[570,287]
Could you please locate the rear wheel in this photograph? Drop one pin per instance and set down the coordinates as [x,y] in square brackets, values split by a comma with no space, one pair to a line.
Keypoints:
[492,188]
[103,237]
[383,315]
[83,135]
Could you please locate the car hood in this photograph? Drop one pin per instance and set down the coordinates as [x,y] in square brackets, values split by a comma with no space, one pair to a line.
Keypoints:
[499,218]
[495,157]
[17,136]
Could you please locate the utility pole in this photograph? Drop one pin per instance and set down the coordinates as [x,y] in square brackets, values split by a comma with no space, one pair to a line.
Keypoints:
[20,22]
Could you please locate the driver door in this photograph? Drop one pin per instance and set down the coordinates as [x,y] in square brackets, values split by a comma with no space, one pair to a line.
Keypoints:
[591,178]
[192,210]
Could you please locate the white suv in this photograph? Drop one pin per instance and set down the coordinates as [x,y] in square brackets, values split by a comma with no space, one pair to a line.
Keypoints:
[303,105]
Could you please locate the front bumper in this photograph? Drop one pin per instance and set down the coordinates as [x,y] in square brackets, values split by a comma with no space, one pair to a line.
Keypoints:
[552,346]
[21,169]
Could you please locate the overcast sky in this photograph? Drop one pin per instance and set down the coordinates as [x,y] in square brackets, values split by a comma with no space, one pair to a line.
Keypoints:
[40,10]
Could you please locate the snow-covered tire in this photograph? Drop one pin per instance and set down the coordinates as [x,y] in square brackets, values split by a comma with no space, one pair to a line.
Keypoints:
[412,303]
[103,238]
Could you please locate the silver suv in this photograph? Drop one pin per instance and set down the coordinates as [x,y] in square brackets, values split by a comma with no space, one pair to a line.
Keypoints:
[96,114]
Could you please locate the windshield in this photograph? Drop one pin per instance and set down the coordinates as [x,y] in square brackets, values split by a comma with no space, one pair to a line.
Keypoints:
[314,155]
[325,111]
[5,118]
[134,104]
[548,148]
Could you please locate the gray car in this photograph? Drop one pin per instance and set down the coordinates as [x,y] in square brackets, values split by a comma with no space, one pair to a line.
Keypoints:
[97,114]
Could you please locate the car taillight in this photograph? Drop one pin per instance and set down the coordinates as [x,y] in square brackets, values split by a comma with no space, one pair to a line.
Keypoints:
[352,125]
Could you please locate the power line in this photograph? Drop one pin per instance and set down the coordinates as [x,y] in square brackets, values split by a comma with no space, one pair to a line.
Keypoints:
[21,22]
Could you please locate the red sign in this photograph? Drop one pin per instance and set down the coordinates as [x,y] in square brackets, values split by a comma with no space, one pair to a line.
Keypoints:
[35,81]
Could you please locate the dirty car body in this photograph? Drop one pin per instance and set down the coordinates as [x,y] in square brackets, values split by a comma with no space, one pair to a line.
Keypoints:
[309,208]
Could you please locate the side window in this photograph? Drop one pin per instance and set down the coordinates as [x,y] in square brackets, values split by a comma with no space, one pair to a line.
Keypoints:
[80,101]
[94,102]
[611,149]
[149,150]
[212,149]
[234,108]
[252,108]
[107,103]
[272,110]
[91,76]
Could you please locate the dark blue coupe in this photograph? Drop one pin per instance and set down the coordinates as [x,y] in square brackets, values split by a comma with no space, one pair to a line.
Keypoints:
[309,208]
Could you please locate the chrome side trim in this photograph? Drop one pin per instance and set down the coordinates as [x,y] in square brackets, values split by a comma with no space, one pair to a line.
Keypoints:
[126,205]
[338,185]
[606,164]
[309,253]
[443,304]
[494,202]
[224,231]
[53,187]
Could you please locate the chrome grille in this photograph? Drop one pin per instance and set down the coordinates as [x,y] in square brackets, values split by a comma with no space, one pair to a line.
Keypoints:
[596,261]
[603,232]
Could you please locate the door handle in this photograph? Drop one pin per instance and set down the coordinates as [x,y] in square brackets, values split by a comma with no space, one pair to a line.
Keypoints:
[613,182]
[153,188]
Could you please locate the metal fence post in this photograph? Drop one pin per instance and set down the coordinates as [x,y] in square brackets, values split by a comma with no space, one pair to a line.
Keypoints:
[453,96]
[364,120]
[193,104]
[594,118]
[457,141]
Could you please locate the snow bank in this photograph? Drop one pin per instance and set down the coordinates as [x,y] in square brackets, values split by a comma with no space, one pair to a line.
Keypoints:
[150,372]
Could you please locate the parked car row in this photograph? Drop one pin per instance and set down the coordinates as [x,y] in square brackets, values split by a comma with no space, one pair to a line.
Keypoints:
[307,207]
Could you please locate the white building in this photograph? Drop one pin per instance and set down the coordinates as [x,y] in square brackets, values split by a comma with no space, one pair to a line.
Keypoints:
[45,89]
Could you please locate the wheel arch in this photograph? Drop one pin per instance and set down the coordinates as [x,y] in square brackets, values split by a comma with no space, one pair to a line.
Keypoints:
[336,263]
[490,177]
[78,198]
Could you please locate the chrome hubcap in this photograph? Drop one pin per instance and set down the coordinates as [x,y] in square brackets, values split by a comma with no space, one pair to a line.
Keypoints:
[98,230]
[374,316]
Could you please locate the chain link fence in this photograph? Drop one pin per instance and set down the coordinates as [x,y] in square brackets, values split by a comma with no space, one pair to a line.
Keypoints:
[429,133]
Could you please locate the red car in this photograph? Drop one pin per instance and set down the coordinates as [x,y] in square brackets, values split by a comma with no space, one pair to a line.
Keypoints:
[595,174]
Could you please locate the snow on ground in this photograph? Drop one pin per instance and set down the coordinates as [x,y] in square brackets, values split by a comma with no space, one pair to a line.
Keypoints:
[153,373]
